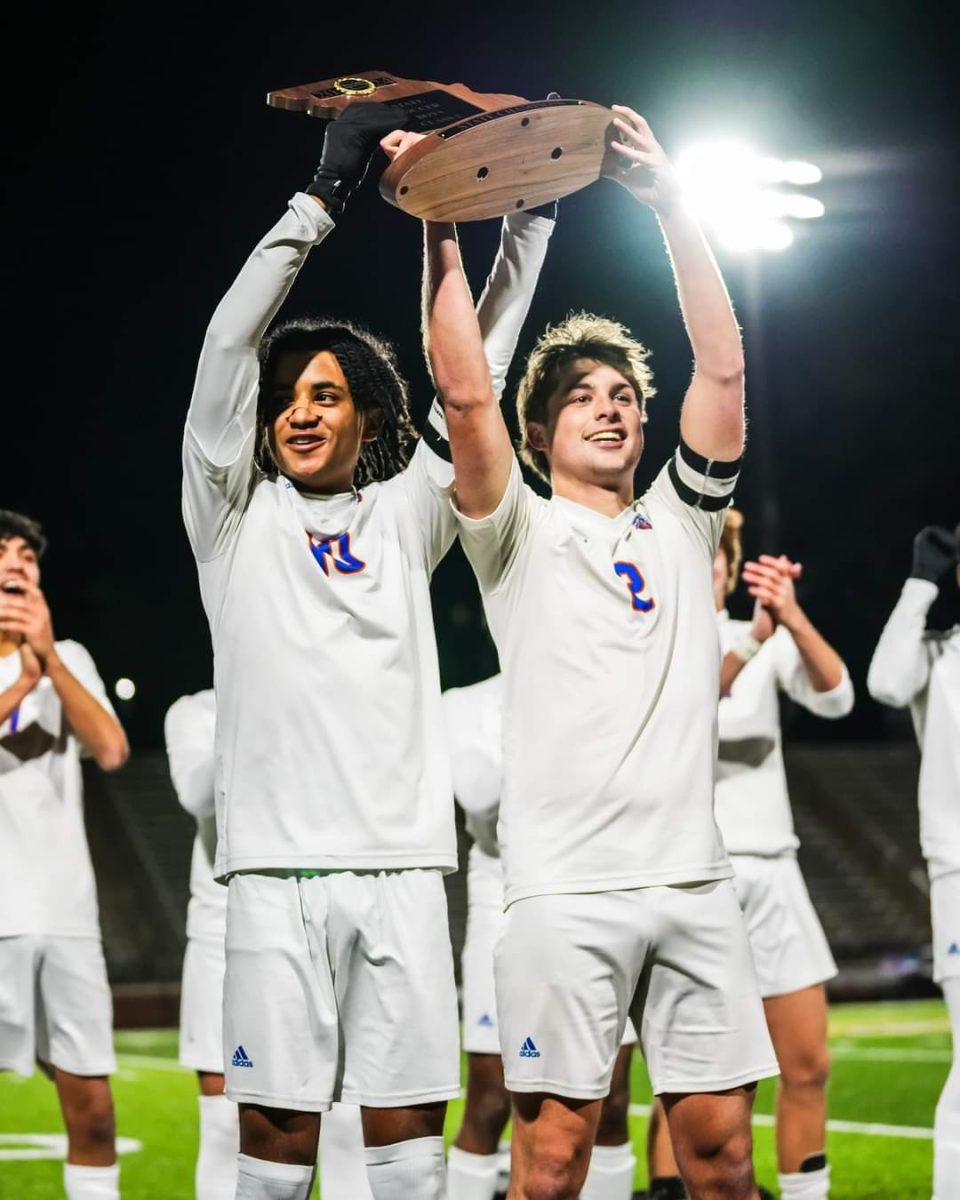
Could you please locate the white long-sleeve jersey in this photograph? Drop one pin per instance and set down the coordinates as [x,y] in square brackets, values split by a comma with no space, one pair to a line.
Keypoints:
[752,802]
[325,663]
[189,730]
[473,720]
[922,670]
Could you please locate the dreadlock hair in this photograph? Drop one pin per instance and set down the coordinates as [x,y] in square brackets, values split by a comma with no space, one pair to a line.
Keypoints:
[369,365]
[14,524]
[581,335]
[732,546]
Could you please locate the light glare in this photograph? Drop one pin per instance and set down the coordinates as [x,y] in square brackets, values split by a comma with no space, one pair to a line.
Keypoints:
[125,689]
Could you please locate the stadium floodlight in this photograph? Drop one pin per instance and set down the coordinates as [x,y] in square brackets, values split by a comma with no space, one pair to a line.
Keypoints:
[740,195]
[125,689]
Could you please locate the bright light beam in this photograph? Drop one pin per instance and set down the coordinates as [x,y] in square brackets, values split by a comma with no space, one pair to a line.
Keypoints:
[125,689]
[735,192]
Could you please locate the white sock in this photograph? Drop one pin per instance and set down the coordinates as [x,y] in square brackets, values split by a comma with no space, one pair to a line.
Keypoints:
[91,1183]
[610,1176]
[805,1185]
[503,1167]
[412,1170]
[946,1123]
[215,1177]
[472,1176]
[258,1179]
[343,1171]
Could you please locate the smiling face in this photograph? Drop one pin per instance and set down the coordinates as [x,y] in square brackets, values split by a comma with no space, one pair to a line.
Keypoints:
[18,564]
[317,430]
[594,428]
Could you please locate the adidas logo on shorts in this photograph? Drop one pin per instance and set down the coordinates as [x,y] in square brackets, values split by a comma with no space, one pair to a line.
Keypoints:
[528,1049]
[240,1058]
[954,948]
[486,1021]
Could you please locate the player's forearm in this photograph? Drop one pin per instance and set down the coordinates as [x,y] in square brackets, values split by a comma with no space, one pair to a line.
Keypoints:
[13,696]
[730,668]
[704,301]
[452,337]
[99,732]
[227,372]
[899,668]
[506,299]
[822,665]
[194,783]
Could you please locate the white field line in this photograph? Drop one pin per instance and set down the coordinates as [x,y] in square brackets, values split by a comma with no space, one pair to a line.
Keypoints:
[890,1054]
[151,1062]
[839,1029]
[35,1147]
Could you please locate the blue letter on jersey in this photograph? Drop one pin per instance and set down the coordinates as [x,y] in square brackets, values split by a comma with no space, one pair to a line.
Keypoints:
[340,555]
[636,584]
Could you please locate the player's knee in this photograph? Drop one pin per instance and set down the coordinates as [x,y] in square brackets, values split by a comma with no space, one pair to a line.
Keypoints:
[487,1114]
[552,1177]
[612,1129]
[808,1071]
[721,1167]
[90,1122]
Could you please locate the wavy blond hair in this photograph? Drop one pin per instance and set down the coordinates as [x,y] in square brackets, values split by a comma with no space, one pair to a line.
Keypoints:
[581,335]
[732,546]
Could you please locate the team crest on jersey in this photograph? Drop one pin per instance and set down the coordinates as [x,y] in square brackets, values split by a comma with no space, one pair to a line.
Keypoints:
[641,521]
[335,552]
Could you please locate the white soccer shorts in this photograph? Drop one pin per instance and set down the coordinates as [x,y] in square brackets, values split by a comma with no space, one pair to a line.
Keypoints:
[790,949]
[55,1005]
[945,918]
[201,1006]
[340,987]
[485,923]
[570,968]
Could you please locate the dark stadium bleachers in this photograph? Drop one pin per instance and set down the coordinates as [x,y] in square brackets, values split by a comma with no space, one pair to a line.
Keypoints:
[854,806]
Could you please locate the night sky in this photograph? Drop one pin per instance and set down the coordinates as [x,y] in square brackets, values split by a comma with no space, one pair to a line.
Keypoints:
[144,166]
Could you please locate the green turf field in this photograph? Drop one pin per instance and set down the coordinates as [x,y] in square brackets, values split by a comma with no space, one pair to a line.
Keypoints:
[890,1061]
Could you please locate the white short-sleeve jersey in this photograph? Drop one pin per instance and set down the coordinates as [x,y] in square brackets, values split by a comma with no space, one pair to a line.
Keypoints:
[753,805]
[921,669]
[189,730]
[46,877]
[328,744]
[607,639]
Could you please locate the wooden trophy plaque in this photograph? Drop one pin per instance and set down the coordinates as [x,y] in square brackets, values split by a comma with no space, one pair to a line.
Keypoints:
[483,155]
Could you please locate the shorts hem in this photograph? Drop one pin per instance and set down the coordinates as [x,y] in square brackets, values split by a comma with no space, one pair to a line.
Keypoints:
[85,1070]
[400,1099]
[264,1101]
[798,985]
[685,877]
[553,1087]
[701,1086]
[195,1063]
[18,1068]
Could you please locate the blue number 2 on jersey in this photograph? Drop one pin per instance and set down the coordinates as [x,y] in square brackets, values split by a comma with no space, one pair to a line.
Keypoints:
[339,552]
[636,583]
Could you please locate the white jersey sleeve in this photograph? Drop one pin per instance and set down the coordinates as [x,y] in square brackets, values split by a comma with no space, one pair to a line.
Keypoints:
[81,666]
[494,543]
[189,729]
[900,667]
[218,441]
[472,718]
[793,679]
[698,490]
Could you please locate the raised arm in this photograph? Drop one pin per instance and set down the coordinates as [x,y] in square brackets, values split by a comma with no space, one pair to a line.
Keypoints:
[711,422]
[479,441]
[189,735]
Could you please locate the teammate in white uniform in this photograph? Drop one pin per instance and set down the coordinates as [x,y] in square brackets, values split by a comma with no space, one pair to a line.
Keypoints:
[316,533]
[55,1005]
[618,886]
[920,668]
[779,650]
[473,720]
[189,732]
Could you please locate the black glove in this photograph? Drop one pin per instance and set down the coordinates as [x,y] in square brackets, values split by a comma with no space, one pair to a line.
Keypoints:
[348,146]
[934,553]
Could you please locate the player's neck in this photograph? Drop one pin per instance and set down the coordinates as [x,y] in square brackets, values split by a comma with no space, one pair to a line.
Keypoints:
[608,499]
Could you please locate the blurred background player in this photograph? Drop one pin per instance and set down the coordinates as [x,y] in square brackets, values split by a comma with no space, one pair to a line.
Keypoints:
[189,732]
[778,650]
[317,519]
[617,885]
[921,668]
[55,1005]
[476,1169]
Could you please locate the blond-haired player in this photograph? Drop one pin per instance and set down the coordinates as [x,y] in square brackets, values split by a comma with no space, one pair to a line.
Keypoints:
[618,889]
